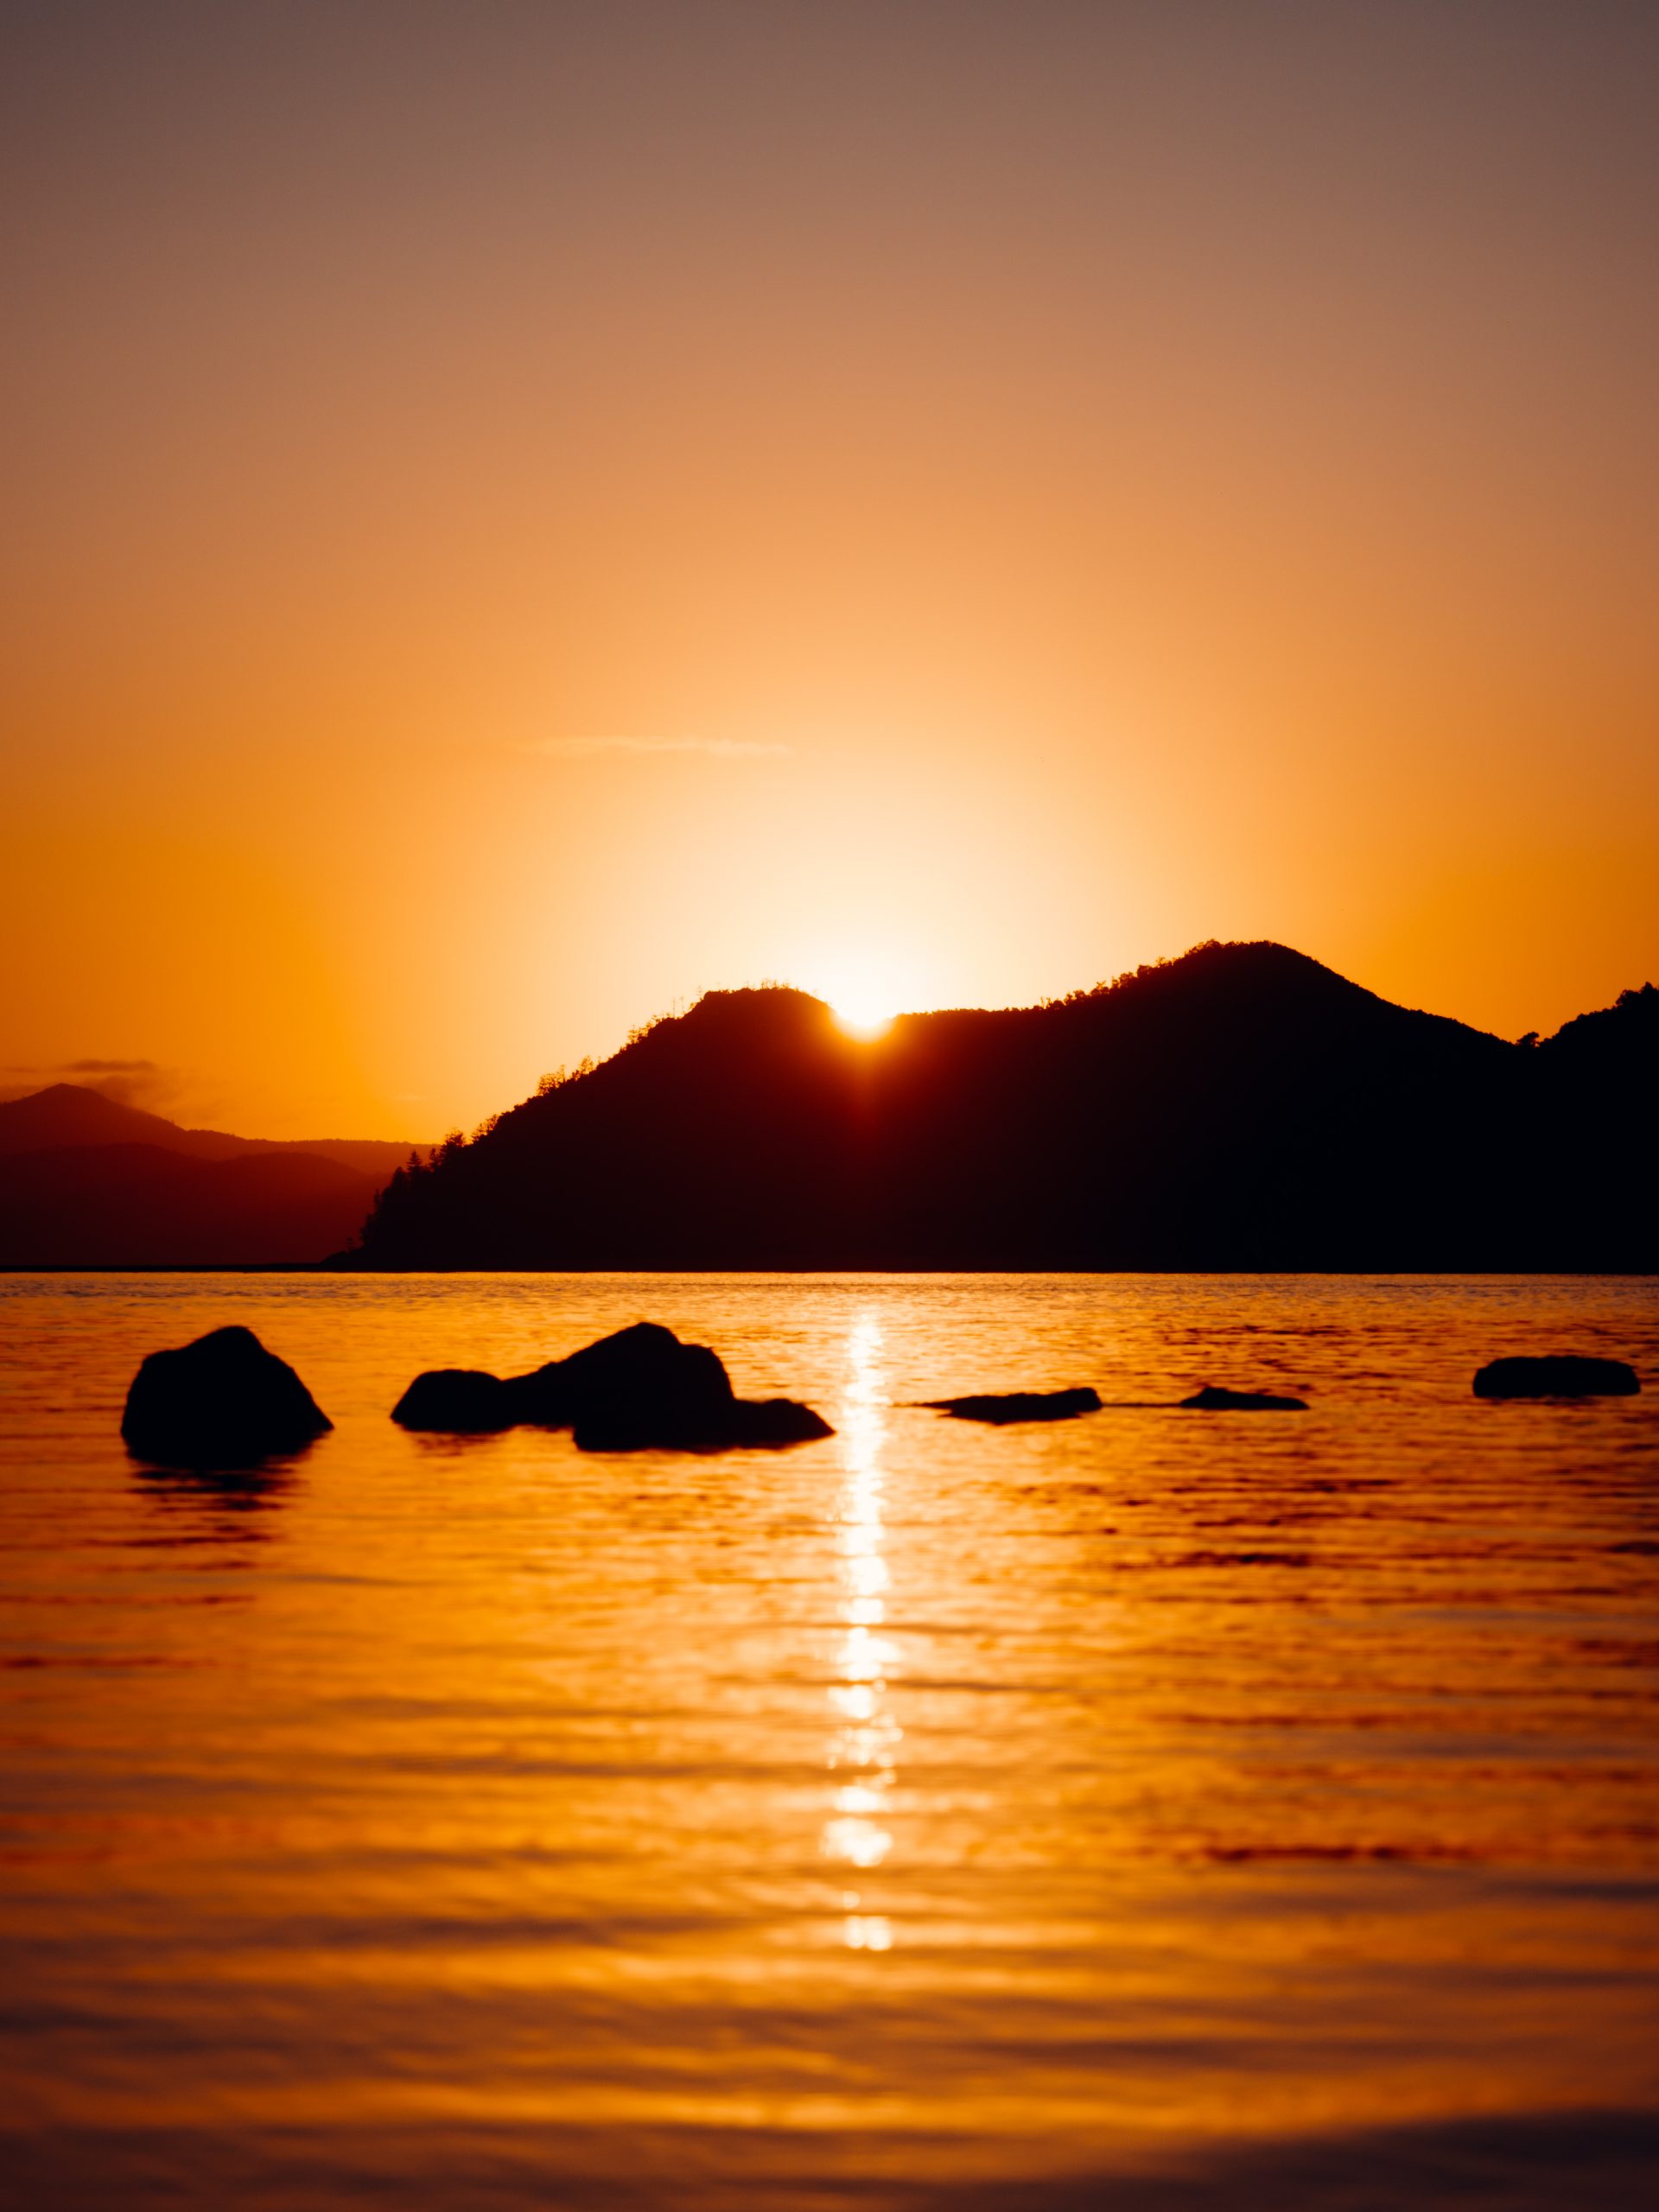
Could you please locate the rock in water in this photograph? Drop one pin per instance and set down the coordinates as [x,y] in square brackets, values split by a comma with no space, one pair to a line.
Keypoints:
[643,1374]
[221,1401]
[639,1389]
[774,1421]
[1004,1405]
[459,1401]
[1557,1375]
[768,1423]
[1211,1400]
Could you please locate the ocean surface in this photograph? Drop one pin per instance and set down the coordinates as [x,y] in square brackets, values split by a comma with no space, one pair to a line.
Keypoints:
[1160,1810]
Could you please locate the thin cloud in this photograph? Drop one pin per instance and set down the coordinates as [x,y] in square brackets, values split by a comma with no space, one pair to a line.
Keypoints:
[714,748]
[129,1083]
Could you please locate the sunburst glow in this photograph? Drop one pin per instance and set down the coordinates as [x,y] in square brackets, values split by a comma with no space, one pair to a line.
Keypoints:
[866,987]
[863,1012]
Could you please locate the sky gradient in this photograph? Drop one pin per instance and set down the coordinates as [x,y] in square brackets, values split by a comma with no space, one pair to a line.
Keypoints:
[521,513]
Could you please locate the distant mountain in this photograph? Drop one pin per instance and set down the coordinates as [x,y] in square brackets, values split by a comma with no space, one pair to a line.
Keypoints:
[86,1181]
[69,1113]
[1240,1108]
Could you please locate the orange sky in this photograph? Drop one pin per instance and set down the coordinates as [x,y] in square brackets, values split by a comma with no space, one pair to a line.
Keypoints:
[518,513]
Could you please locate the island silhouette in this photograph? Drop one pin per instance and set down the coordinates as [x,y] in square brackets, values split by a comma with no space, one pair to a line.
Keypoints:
[1242,1107]
[89,1181]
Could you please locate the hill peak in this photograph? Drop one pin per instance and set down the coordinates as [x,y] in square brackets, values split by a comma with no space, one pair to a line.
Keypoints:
[74,1113]
[1243,1105]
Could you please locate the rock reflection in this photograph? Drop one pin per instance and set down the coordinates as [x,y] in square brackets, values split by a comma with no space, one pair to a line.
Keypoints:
[863,1754]
[229,1505]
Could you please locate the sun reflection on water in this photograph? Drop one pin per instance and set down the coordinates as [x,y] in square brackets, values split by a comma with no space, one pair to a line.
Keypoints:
[861,1756]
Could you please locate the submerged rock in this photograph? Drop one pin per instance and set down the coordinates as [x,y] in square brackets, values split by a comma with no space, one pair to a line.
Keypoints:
[637,1390]
[1211,1400]
[1557,1375]
[1005,1405]
[222,1402]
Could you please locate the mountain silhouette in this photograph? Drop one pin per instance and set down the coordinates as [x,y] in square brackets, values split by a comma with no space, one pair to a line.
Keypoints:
[1242,1107]
[69,1114]
[86,1181]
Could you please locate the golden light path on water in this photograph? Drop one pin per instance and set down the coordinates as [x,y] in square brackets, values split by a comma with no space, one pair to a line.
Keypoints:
[864,1748]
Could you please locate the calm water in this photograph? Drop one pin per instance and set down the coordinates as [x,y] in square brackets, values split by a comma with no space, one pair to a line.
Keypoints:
[1234,1810]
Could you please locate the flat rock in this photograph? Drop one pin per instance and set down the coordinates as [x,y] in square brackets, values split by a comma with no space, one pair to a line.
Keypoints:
[767,1423]
[1212,1400]
[1557,1375]
[1005,1405]
[222,1402]
[638,1390]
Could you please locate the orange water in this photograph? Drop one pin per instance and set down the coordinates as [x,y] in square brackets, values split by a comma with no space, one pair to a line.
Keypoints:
[471,1822]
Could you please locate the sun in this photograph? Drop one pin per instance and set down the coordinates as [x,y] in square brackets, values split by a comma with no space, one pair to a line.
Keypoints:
[862,1011]
[868,985]
[864,990]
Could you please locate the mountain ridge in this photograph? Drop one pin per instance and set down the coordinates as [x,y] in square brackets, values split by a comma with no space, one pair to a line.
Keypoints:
[73,1115]
[1242,1106]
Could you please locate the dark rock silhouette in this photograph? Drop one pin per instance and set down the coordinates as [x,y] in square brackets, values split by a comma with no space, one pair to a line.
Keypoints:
[86,1181]
[770,1423]
[1241,1107]
[223,1402]
[459,1402]
[638,1390]
[1557,1375]
[1006,1406]
[1211,1400]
